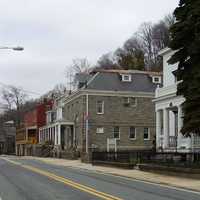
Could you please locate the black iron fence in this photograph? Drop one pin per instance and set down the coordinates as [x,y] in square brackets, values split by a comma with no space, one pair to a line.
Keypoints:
[132,158]
[122,158]
[172,159]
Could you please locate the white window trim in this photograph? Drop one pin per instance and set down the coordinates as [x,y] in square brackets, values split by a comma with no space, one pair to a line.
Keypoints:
[136,101]
[135,134]
[98,128]
[48,117]
[114,132]
[148,134]
[100,113]
[128,102]
[126,75]
[153,79]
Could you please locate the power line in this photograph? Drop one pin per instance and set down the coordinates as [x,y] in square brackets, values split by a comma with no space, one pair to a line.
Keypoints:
[27,91]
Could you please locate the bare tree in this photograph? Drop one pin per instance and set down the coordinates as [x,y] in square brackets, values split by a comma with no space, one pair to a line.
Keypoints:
[146,35]
[79,65]
[107,61]
[169,20]
[59,90]
[160,36]
[154,37]
[14,97]
[5,95]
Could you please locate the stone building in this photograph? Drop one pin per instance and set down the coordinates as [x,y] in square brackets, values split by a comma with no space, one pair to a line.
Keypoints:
[110,110]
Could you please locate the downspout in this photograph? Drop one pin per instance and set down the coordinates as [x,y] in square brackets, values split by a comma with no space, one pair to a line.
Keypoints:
[86,127]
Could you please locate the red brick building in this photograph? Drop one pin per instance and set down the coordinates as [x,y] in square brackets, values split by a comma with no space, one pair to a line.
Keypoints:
[28,133]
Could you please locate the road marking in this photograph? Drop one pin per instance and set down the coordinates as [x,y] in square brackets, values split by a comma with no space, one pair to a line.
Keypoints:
[66,181]
[142,181]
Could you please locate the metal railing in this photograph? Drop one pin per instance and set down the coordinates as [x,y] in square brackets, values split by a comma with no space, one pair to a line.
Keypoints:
[172,141]
[123,157]
[144,157]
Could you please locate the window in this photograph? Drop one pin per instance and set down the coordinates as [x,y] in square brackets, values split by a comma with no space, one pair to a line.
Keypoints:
[48,117]
[100,130]
[133,101]
[116,132]
[59,113]
[146,134]
[126,77]
[100,107]
[132,133]
[156,79]
[126,100]
[130,101]
[53,116]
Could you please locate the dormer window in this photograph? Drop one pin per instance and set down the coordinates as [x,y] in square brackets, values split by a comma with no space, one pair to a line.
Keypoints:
[48,117]
[156,79]
[126,77]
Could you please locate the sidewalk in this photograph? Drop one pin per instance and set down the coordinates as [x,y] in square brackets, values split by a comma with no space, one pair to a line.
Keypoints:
[180,182]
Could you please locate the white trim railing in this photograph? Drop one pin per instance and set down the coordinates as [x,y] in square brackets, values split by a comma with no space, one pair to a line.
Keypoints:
[169,90]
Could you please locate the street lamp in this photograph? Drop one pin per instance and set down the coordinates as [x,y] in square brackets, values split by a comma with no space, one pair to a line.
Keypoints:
[18,48]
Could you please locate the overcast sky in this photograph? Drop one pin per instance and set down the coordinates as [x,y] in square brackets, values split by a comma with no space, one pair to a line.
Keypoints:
[53,32]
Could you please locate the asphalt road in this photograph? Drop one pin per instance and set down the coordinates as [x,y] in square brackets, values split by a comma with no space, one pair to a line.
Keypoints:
[35,180]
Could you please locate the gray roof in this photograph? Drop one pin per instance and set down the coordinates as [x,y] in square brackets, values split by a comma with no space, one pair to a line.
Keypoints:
[111,81]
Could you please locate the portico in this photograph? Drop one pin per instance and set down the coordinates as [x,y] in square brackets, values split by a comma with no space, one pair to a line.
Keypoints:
[169,114]
[60,134]
[169,121]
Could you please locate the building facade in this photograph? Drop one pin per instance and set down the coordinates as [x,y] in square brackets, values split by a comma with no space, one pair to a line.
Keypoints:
[3,108]
[27,134]
[111,110]
[7,137]
[169,115]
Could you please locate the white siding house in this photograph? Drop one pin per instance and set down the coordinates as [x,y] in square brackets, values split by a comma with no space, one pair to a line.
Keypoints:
[169,115]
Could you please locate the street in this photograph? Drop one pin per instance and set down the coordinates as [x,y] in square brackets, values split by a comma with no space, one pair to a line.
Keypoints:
[23,179]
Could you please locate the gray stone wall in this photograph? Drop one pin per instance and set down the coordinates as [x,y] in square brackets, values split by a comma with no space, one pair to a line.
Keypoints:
[116,113]
[74,111]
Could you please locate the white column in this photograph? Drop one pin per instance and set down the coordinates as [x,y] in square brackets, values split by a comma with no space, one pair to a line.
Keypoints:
[74,134]
[56,133]
[42,135]
[59,134]
[50,134]
[40,131]
[26,134]
[47,134]
[53,136]
[158,128]
[39,135]
[166,127]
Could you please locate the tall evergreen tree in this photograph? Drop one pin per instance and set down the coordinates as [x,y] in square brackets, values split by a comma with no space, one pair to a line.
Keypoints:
[185,40]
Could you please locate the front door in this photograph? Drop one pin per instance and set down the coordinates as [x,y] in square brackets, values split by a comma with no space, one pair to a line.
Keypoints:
[62,137]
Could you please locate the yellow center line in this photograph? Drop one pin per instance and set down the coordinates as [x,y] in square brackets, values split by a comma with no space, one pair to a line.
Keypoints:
[66,181]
